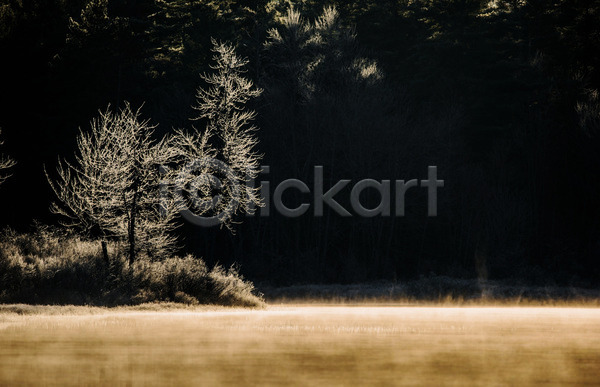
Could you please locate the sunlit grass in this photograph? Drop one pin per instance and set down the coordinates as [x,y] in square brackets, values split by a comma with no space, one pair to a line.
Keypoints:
[302,345]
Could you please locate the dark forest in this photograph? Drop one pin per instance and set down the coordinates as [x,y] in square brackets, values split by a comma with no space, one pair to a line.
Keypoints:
[502,96]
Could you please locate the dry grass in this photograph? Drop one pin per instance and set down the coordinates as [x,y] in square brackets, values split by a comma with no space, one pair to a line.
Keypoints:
[303,345]
[435,291]
[78,310]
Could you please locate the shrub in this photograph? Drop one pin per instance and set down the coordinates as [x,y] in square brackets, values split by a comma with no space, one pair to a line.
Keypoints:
[49,266]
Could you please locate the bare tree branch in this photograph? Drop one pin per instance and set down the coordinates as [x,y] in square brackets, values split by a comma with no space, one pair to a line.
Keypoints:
[5,164]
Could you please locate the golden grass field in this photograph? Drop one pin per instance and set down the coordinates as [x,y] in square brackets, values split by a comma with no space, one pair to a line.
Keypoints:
[301,345]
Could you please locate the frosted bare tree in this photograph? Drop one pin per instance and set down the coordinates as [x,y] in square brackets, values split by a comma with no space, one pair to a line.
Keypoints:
[117,185]
[222,155]
[5,164]
[113,188]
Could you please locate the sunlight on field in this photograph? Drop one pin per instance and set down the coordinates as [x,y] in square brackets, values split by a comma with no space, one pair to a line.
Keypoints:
[305,345]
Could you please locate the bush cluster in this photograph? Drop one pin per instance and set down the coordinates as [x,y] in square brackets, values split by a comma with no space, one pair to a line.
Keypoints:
[50,266]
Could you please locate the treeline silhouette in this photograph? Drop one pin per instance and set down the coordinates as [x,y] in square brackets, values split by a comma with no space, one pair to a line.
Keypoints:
[501,95]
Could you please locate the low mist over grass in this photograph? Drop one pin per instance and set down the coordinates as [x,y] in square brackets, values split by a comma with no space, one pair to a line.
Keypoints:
[436,290]
[50,267]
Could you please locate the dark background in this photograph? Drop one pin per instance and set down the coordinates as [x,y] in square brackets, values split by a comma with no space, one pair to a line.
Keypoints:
[504,100]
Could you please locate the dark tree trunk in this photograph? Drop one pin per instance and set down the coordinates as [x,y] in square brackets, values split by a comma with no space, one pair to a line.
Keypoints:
[132,221]
[132,239]
[105,252]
